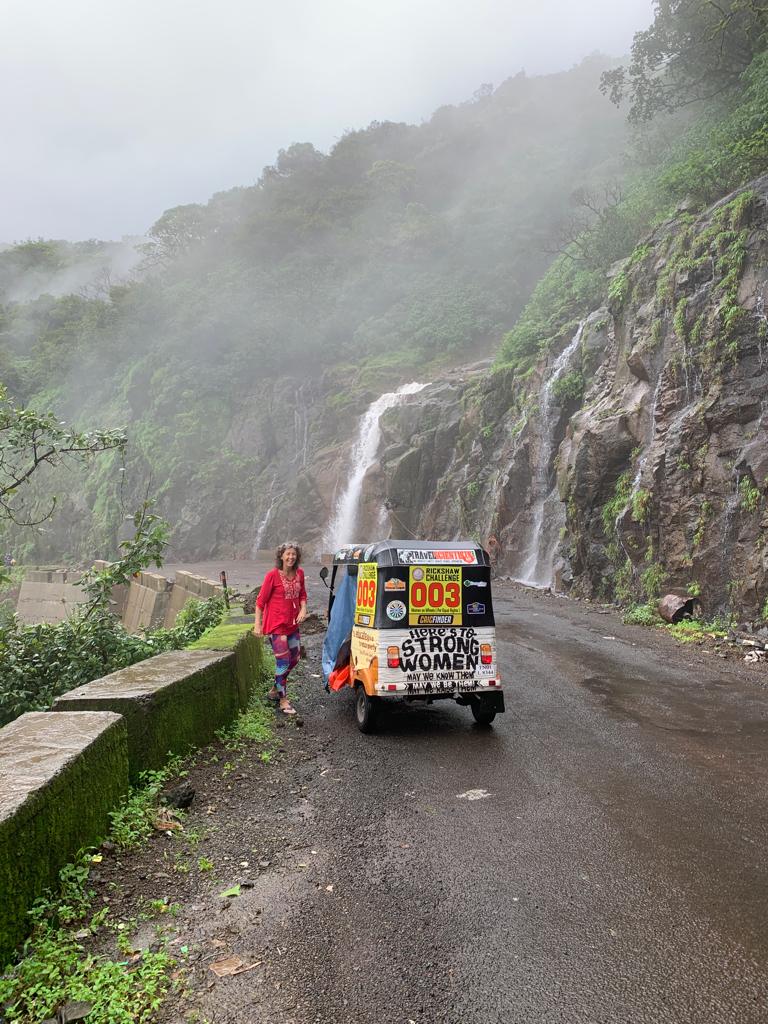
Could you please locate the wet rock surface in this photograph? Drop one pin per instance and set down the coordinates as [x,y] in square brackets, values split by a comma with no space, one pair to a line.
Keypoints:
[611,870]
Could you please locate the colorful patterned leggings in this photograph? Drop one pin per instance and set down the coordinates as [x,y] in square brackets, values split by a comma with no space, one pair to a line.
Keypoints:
[286,650]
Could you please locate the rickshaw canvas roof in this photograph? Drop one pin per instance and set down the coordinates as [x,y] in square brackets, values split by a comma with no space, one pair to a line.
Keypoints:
[414,552]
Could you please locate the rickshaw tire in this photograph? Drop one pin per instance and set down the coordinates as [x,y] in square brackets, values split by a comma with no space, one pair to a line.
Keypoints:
[366,709]
[481,713]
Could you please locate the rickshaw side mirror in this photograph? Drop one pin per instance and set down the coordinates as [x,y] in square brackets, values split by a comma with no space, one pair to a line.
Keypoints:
[324,575]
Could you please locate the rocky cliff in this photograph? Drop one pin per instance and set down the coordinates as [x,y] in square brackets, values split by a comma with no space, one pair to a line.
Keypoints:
[633,456]
[636,456]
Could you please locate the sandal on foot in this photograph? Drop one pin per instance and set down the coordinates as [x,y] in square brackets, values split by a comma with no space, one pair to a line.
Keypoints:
[273,695]
[287,708]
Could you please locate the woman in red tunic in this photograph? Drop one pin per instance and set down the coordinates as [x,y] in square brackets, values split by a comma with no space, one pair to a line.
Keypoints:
[280,607]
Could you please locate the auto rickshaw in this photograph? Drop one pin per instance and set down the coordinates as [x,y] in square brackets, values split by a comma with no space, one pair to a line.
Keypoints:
[412,620]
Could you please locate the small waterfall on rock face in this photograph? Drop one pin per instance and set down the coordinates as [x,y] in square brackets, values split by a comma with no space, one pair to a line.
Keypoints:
[341,528]
[262,527]
[537,568]
[301,428]
[652,434]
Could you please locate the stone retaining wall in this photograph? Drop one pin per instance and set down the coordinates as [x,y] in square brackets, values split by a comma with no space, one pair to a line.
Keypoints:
[48,595]
[60,775]
[185,586]
[147,602]
[151,600]
[174,701]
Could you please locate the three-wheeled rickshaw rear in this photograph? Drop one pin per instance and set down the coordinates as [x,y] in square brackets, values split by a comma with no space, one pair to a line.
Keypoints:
[413,620]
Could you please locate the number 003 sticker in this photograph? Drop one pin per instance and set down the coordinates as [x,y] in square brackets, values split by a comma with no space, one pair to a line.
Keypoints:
[365,604]
[434,594]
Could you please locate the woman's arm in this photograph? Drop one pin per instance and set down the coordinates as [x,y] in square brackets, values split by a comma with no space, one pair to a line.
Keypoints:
[303,598]
[261,602]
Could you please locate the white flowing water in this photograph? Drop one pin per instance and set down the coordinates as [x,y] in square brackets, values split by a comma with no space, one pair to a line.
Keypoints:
[651,435]
[537,568]
[342,526]
[301,429]
[261,529]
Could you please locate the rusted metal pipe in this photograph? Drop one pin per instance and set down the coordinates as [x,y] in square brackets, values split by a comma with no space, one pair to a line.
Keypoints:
[223,578]
[675,607]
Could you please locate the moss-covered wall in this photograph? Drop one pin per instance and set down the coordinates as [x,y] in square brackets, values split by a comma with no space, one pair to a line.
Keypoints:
[60,777]
[60,774]
[250,662]
[177,700]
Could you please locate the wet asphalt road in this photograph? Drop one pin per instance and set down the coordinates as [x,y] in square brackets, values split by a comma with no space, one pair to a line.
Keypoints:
[613,870]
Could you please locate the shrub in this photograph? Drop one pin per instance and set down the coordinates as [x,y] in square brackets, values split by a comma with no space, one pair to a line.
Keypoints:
[569,387]
[652,579]
[642,615]
[40,662]
[641,505]
[750,495]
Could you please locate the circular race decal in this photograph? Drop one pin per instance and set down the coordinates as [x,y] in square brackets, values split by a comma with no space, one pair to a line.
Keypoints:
[396,610]
[418,574]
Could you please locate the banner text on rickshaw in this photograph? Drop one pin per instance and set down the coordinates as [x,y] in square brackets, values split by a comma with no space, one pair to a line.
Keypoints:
[435,650]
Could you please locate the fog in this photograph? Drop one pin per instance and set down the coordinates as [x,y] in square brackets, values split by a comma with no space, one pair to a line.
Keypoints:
[118,111]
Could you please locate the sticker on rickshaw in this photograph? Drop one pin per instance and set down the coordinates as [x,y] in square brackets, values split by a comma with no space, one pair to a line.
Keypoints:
[365,603]
[408,556]
[434,593]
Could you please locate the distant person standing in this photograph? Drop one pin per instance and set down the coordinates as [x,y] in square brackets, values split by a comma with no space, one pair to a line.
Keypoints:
[280,608]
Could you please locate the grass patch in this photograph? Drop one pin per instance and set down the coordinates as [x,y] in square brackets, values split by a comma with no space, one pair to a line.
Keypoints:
[221,638]
[56,967]
[132,822]
[255,725]
[642,615]
[691,631]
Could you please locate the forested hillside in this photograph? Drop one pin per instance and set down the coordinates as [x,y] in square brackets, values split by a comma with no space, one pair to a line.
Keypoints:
[576,291]
[404,247]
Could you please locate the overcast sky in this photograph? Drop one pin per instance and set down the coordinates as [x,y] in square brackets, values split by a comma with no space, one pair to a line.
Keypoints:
[115,110]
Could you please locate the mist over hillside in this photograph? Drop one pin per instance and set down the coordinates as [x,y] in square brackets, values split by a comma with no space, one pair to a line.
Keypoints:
[403,248]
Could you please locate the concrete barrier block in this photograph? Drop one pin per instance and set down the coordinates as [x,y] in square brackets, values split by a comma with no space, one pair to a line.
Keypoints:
[210,589]
[37,576]
[60,775]
[146,605]
[47,602]
[187,581]
[179,597]
[160,584]
[192,584]
[170,702]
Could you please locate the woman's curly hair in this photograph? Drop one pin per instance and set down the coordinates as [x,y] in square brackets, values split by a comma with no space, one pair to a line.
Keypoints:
[281,549]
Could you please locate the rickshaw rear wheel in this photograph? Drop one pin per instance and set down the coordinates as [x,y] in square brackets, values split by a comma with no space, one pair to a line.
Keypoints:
[366,709]
[482,712]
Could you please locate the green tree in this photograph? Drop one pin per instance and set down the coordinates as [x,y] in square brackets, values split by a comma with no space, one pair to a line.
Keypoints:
[695,50]
[30,440]
[174,233]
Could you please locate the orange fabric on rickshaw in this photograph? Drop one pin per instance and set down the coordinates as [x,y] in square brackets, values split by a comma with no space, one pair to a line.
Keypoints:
[339,678]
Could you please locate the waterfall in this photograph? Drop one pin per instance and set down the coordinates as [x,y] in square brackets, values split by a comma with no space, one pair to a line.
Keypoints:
[652,434]
[343,523]
[262,527]
[301,429]
[537,568]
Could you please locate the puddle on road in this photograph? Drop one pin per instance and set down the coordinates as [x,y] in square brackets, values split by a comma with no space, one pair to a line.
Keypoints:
[639,700]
